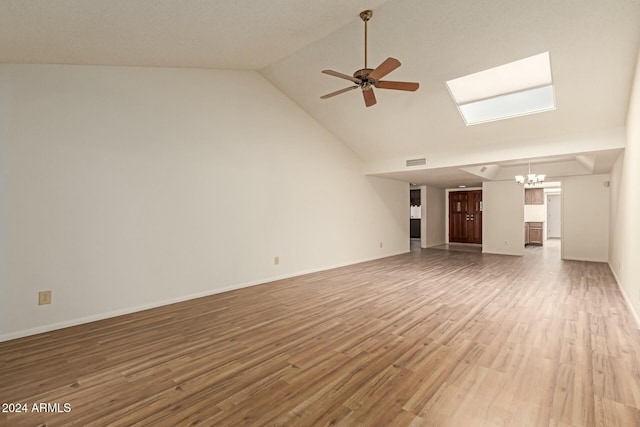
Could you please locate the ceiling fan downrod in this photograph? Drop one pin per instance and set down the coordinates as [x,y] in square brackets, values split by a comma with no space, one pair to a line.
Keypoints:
[365,16]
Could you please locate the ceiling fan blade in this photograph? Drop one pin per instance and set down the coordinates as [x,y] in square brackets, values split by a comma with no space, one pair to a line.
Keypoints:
[342,76]
[369,97]
[410,86]
[338,92]
[387,66]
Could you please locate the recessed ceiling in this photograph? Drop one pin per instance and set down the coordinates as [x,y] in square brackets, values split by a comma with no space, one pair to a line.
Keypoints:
[473,175]
[593,47]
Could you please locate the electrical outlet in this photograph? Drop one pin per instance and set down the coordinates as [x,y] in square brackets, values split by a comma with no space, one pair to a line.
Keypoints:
[276,260]
[381,244]
[44,297]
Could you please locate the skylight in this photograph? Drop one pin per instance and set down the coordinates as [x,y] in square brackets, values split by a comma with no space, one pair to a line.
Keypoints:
[515,89]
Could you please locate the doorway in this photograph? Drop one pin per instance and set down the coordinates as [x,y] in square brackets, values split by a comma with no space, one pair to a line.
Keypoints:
[415,221]
[465,216]
[543,219]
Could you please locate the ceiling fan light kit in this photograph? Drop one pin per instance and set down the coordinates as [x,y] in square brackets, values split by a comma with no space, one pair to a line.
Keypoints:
[368,78]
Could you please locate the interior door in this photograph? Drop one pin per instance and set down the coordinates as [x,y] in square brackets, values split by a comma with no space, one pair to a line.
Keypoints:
[458,215]
[465,216]
[553,216]
[475,217]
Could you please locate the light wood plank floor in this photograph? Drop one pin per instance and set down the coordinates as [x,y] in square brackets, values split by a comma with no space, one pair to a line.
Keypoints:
[428,338]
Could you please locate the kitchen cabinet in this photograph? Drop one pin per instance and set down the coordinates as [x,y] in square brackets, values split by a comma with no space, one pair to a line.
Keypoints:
[533,233]
[534,196]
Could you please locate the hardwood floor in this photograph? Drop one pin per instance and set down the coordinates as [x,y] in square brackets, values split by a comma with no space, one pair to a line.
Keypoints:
[427,338]
[463,247]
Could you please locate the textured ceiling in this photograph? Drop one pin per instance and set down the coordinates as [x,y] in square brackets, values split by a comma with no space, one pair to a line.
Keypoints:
[244,34]
[593,46]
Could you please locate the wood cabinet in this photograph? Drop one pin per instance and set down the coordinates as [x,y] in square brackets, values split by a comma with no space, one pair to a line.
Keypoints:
[414,197]
[534,196]
[533,233]
[465,216]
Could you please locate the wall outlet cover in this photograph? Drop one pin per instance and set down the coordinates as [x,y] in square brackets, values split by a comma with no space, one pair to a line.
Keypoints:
[44,297]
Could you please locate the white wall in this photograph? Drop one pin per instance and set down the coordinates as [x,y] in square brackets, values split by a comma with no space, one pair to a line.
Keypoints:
[423,216]
[4,291]
[130,187]
[585,218]
[616,217]
[535,213]
[624,250]
[503,218]
[436,217]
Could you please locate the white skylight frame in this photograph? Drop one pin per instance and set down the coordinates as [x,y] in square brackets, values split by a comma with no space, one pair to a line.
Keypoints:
[515,89]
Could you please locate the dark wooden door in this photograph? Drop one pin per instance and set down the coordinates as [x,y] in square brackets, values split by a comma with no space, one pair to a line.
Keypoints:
[458,215]
[475,216]
[465,216]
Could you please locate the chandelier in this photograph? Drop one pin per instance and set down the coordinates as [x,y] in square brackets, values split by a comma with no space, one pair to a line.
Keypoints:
[530,179]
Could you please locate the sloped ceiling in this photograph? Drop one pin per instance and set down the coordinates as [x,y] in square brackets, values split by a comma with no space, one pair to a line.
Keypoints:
[244,34]
[593,46]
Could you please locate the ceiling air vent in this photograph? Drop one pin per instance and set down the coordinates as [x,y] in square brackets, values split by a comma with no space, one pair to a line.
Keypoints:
[417,162]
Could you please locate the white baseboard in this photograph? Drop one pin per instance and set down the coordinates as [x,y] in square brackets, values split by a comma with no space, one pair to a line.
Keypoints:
[585,259]
[101,316]
[501,253]
[434,244]
[625,296]
[128,310]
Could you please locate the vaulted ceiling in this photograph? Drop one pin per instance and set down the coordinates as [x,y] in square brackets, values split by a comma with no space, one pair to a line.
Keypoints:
[593,47]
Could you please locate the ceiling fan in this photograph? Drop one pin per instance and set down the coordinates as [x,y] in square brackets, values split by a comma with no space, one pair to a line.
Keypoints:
[368,78]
